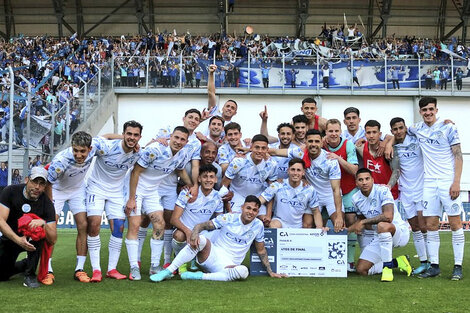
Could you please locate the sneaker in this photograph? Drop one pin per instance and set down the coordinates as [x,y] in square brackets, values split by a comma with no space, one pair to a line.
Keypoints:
[155,269]
[115,274]
[421,269]
[49,279]
[404,264]
[457,273]
[192,275]
[387,274]
[183,268]
[81,276]
[168,264]
[97,277]
[351,267]
[430,272]
[161,276]
[30,282]
[193,266]
[135,274]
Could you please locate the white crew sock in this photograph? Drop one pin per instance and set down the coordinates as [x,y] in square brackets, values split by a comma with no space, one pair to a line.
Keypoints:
[94,246]
[458,243]
[141,237]
[432,244]
[376,268]
[420,245]
[49,266]
[80,262]
[114,252]
[132,246]
[177,246]
[167,247]
[386,245]
[156,248]
[228,274]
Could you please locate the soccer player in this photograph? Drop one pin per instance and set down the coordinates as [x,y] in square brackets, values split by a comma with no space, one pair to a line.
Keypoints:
[443,162]
[309,109]
[155,164]
[221,259]
[66,174]
[377,210]
[300,123]
[216,129]
[187,215]
[227,152]
[344,151]
[209,152]
[104,192]
[292,199]
[249,175]
[353,131]
[322,173]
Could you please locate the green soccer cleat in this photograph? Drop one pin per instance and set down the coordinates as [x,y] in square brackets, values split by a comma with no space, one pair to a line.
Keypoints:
[191,275]
[387,274]
[183,268]
[422,268]
[457,273]
[161,276]
[404,264]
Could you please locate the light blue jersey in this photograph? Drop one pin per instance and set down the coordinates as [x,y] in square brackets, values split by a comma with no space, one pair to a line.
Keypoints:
[200,210]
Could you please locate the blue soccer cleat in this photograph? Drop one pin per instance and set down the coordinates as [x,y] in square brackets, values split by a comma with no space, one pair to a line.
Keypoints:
[422,268]
[192,275]
[161,276]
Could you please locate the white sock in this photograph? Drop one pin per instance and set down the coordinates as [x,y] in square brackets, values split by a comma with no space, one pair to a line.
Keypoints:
[49,265]
[186,254]
[228,274]
[432,244]
[94,246]
[420,245]
[156,248]
[167,247]
[141,237]
[80,262]
[132,246]
[386,245]
[177,245]
[114,252]
[458,243]
[376,268]
[366,238]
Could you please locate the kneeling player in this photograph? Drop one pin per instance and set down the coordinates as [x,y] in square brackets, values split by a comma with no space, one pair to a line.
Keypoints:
[222,258]
[376,210]
[292,199]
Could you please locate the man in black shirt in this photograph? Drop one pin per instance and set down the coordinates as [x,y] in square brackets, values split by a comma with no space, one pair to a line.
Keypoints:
[16,200]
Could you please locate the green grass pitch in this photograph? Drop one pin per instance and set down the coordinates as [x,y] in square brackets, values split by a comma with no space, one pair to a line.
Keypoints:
[256,294]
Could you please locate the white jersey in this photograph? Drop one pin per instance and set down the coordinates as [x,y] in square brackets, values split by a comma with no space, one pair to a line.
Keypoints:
[159,162]
[193,145]
[249,178]
[226,154]
[234,237]
[201,210]
[282,163]
[411,167]
[110,167]
[320,173]
[371,206]
[291,203]
[65,174]
[435,142]
[360,134]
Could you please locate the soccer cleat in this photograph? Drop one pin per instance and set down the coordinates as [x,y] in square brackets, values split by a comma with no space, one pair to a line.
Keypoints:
[115,274]
[192,275]
[421,269]
[183,268]
[81,276]
[30,282]
[193,266]
[168,264]
[430,272]
[387,274]
[97,276]
[457,273]
[135,274]
[404,264]
[155,269]
[49,279]
[161,276]
[351,267]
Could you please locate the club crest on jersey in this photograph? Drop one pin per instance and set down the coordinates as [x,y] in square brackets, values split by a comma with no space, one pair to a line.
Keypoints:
[373,202]
[26,208]
[412,147]
[235,166]
[57,170]
[101,152]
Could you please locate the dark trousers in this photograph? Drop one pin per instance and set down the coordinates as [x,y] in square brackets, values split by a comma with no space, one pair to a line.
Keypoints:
[9,252]
[396,84]
[326,82]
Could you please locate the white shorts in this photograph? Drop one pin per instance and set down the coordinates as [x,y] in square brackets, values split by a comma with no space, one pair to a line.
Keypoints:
[330,207]
[113,206]
[75,200]
[216,261]
[371,252]
[168,200]
[436,197]
[285,224]
[237,202]
[147,204]
[411,205]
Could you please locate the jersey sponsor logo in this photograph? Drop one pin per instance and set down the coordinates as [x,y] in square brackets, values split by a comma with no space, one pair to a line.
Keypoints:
[117,165]
[201,211]
[408,155]
[373,166]
[255,180]
[429,141]
[235,238]
[293,203]
[282,169]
